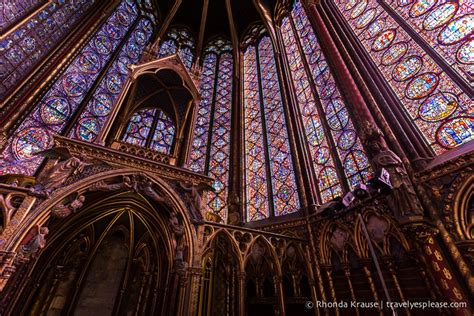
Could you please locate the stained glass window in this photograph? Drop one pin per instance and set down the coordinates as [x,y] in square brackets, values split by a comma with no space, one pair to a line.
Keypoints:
[267,148]
[330,134]
[144,121]
[24,47]
[96,112]
[437,106]
[179,39]
[14,10]
[211,144]
[53,111]
[447,26]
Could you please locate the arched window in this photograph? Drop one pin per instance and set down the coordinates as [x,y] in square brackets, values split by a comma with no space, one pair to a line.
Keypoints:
[179,40]
[211,145]
[26,45]
[435,104]
[270,184]
[339,160]
[52,114]
[151,128]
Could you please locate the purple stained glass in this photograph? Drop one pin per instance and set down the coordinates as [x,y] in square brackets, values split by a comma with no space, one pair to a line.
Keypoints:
[285,195]
[255,170]
[95,113]
[414,77]
[59,103]
[139,127]
[163,135]
[181,41]
[13,11]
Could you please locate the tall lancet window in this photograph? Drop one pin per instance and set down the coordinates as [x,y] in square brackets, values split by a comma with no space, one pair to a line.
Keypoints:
[269,175]
[338,157]
[437,106]
[211,144]
[179,40]
[151,128]
[125,31]
[24,46]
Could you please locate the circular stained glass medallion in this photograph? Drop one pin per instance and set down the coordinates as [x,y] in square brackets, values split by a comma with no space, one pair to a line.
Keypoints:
[465,53]
[89,62]
[317,137]
[74,84]
[28,44]
[365,18]
[328,90]
[404,3]
[384,40]
[113,31]
[421,7]
[376,27]
[347,139]
[407,68]
[438,107]
[394,53]
[88,129]
[30,141]
[350,4]
[455,132]
[440,16]
[327,178]
[339,120]
[55,110]
[122,64]
[358,9]
[123,17]
[457,30]
[102,104]
[103,45]
[422,85]
[114,83]
[133,51]
[355,161]
[140,37]
[322,155]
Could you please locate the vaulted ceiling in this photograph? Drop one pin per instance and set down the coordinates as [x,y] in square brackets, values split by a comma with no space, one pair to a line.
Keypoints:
[209,18]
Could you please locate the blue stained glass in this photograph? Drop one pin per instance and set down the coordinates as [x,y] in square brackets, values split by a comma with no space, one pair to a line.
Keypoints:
[109,88]
[49,115]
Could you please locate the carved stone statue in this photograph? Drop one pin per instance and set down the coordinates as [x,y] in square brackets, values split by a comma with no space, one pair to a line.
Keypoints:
[128,183]
[147,189]
[64,210]
[37,242]
[176,227]
[193,196]
[233,203]
[339,239]
[67,166]
[402,199]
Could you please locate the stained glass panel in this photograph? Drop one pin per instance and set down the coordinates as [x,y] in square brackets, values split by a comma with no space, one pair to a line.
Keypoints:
[348,145]
[255,156]
[53,111]
[179,40]
[447,26]
[437,106]
[139,127]
[197,161]
[220,136]
[329,183]
[23,48]
[96,112]
[163,136]
[284,189]
[14,10]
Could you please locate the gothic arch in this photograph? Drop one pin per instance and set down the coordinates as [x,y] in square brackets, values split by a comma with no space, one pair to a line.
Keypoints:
[463,217]
[43,210]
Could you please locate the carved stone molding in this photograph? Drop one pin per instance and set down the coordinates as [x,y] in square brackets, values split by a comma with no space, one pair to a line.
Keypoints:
[144,152]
